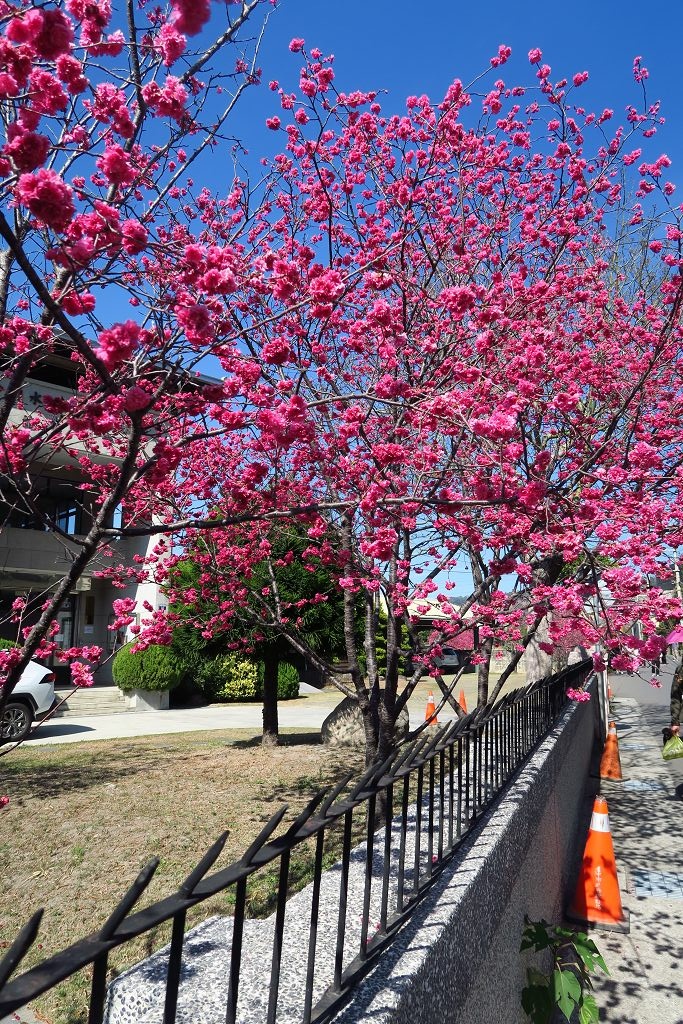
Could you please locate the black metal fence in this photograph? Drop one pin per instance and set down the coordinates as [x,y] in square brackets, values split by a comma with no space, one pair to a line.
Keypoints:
[414,810]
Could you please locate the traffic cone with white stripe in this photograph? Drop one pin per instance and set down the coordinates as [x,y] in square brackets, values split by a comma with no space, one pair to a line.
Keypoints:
[610,762]
[430,710]
[597,899]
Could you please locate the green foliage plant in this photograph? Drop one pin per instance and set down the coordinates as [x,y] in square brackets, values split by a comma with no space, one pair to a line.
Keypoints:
[228,678]
[287,681]
[155,668]
[568,986]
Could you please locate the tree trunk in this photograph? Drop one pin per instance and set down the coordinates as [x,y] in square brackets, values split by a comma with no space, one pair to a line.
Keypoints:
[538,663]
[271,663]
[369,712]
[483,670]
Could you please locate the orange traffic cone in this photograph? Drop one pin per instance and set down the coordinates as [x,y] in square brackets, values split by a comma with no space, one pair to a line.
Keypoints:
[610,693]
[610,763]
[430,710]
[597,899]
[462,702]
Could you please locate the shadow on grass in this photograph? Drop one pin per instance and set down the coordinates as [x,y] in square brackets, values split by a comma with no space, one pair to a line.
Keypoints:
[69,771]
[292,739]
[51,780]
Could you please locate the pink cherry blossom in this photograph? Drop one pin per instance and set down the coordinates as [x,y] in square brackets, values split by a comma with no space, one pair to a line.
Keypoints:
[47,196]
[135,236]
[191,15]
[27,150]
[118,343]
[167,100]
[116,165]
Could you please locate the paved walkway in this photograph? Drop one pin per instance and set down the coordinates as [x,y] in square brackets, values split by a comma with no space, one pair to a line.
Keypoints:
[646,966]
[306,712]
[147,723]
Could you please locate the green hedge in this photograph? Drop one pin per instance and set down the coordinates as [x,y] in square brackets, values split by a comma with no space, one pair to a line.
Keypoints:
[228,678]
[155,668]
[287,681]
[7,645]
[231,678]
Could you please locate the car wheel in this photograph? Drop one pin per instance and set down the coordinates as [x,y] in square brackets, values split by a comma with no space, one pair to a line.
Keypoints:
[17,719]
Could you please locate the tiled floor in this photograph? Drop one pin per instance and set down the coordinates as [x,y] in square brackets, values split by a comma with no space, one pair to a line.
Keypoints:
[657,883]
[644,785]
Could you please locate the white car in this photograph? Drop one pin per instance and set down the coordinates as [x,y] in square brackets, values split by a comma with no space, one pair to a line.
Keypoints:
[33,695]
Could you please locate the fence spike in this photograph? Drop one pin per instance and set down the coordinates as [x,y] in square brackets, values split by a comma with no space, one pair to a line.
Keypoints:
[418,748]
[129,899]
[407,752]
[305,815]
[431,745]
[333,794]
[20,947]
[264,835]
[197,873]
[448,731]
[363,781]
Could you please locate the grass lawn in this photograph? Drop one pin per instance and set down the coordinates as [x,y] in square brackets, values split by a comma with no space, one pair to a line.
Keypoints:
[84,817]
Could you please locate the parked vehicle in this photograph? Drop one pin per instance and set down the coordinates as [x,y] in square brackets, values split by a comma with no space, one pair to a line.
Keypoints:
[450,661]
[33,695]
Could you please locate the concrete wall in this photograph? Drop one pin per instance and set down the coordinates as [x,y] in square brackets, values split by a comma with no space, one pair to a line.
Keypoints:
[458,959]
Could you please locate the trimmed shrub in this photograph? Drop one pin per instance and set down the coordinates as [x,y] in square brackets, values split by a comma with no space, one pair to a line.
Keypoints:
[228,679]
[287,681]
[156,668]
[7,645]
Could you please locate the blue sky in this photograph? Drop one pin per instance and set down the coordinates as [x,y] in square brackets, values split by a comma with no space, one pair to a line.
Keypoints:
[410,48]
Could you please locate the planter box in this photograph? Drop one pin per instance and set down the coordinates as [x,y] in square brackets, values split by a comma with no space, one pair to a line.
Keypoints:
[148,700]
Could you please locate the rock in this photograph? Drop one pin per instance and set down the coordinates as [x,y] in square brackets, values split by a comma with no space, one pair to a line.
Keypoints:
[343,727]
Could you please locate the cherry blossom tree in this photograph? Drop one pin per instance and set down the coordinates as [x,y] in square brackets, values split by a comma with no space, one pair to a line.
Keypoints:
[452,363]
[428,348]
[107,111]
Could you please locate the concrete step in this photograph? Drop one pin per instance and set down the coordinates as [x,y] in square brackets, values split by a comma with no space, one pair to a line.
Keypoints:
[99,700]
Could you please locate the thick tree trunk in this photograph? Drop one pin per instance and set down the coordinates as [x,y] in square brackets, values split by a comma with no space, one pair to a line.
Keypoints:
[538,663]
[270,736]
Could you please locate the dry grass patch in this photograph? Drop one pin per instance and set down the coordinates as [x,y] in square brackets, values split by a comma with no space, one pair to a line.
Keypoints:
[83,818]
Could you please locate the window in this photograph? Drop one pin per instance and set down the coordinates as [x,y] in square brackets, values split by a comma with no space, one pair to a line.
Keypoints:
[66,625]
[67,517]
[89,615]
[115,637]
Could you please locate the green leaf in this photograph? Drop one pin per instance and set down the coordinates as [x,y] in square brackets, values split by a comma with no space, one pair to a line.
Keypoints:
[589,953]
[536,977]
[567,991]
[536,935]
[537,1000]
[588,1011]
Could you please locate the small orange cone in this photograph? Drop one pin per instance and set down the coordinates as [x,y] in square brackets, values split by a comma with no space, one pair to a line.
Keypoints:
[462,702]
[597,899]
[610,763]
[430,710]
[610,693]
